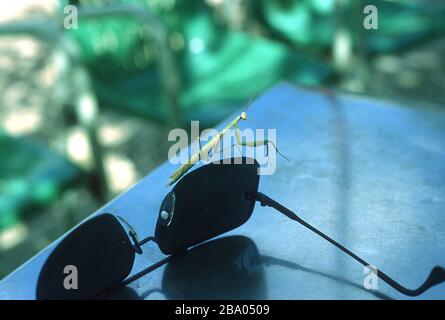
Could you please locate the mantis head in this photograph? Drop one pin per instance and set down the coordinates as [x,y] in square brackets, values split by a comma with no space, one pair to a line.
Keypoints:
[243,115]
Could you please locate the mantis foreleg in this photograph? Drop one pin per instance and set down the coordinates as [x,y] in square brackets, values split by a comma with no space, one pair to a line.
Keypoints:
[255,143]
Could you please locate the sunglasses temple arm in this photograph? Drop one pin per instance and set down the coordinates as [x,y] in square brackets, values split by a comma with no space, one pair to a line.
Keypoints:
[145,271]
[151,268]
[436,276]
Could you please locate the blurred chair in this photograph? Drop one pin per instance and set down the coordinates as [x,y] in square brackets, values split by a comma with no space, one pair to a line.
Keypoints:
[194,60]
[178,64]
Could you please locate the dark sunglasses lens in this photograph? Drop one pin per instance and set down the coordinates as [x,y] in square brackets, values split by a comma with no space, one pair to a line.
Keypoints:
[207,202]
[90,259]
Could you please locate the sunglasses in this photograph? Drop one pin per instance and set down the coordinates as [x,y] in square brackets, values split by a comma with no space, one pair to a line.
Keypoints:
[205,203]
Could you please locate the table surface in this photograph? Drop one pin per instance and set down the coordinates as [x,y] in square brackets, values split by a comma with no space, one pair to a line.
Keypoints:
[368,173]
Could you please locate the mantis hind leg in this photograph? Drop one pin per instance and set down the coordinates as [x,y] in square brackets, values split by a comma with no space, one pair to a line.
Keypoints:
[190,157]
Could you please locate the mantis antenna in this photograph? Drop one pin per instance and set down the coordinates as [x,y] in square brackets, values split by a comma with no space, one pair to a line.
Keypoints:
[253,95]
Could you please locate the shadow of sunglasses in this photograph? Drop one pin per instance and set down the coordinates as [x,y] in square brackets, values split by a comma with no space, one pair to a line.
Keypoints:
[205,203]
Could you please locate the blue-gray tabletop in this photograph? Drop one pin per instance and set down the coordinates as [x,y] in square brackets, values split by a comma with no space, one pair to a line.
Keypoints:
[370,174]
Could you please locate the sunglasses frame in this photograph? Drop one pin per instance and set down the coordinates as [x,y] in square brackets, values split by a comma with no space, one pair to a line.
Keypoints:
[168,214]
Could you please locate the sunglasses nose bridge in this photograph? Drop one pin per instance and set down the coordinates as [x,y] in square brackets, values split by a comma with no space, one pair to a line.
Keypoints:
[136,243]
[132,234]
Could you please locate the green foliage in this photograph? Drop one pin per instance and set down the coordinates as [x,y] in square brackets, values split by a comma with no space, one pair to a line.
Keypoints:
[30,176]
[218,64]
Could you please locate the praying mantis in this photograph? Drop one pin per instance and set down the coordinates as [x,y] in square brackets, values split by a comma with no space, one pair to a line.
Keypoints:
[204,151]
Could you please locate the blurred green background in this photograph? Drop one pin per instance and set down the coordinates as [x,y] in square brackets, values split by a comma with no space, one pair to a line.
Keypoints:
[85,112]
